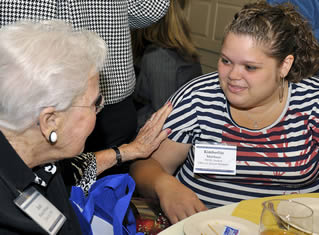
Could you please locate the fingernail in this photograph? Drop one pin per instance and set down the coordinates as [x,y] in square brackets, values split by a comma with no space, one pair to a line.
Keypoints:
[169,131]
[169,103]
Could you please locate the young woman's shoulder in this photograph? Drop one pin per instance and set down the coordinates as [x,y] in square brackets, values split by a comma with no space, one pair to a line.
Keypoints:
[203,85]
[311,83]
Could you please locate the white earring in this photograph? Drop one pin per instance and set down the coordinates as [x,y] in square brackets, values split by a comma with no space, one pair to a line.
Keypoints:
[53,137]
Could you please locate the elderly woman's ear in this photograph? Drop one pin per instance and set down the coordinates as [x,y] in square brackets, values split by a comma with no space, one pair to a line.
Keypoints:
[49,121]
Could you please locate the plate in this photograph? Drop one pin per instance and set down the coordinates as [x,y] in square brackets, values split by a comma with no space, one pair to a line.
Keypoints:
[313,203]
[206,224]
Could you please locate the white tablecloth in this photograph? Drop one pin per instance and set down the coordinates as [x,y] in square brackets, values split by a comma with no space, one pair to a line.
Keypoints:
[177,229]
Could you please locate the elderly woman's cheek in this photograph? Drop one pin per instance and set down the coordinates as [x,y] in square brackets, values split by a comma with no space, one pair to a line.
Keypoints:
[88,123]
[92,123]
[83,126]
[82,129]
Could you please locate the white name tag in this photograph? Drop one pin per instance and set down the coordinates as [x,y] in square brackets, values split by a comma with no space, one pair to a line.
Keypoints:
[215,159]
[40,210]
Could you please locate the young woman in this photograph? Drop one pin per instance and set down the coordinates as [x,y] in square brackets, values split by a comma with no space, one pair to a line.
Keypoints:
[250,130]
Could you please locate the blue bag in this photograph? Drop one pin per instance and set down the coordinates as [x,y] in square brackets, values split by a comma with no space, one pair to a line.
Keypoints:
[108,201]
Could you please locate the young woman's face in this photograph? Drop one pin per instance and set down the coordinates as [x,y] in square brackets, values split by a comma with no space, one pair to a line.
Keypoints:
[248,77]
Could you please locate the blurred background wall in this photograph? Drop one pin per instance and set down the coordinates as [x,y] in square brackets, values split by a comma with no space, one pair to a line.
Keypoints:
[208,19]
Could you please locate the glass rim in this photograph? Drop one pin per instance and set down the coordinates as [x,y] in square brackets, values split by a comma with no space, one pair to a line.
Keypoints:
[290,201]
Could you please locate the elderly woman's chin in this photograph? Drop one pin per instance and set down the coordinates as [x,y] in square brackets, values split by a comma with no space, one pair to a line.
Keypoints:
[78,151]
[71,152]
[81,151]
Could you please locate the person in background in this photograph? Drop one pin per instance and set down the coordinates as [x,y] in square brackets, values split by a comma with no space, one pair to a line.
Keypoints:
[49,98]
[111,20]
[249,130]
[165,57]
[309,9]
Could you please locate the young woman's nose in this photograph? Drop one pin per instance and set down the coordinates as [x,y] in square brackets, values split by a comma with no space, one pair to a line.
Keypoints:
[234,73]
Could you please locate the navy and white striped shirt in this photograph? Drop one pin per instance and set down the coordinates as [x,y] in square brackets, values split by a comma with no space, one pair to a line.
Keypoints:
[279,159]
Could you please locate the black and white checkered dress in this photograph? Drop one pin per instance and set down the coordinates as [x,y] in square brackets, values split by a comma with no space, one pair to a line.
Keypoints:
[111,19]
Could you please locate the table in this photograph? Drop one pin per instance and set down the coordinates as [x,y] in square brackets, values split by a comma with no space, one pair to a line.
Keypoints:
[247,209]
[177,229]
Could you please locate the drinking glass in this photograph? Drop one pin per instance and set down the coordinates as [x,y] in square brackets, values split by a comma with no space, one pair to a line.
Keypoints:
[285,217]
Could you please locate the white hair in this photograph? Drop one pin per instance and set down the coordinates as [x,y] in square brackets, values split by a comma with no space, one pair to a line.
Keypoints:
[44,64]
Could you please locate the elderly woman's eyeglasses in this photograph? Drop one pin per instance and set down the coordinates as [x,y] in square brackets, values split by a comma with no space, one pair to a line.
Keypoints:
[99,104]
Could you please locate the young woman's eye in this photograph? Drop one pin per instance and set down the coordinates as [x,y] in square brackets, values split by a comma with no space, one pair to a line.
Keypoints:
[250,68]
[224,61]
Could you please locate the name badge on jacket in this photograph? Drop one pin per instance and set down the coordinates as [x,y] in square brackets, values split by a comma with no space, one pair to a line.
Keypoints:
[40,210]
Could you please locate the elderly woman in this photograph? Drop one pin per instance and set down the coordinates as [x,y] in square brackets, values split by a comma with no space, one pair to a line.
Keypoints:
[49,97]
[250,130]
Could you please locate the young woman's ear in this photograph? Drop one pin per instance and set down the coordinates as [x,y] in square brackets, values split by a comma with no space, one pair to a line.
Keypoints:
[286,65]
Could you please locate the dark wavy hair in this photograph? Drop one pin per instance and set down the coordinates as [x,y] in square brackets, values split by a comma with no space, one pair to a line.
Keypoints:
[282,31]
